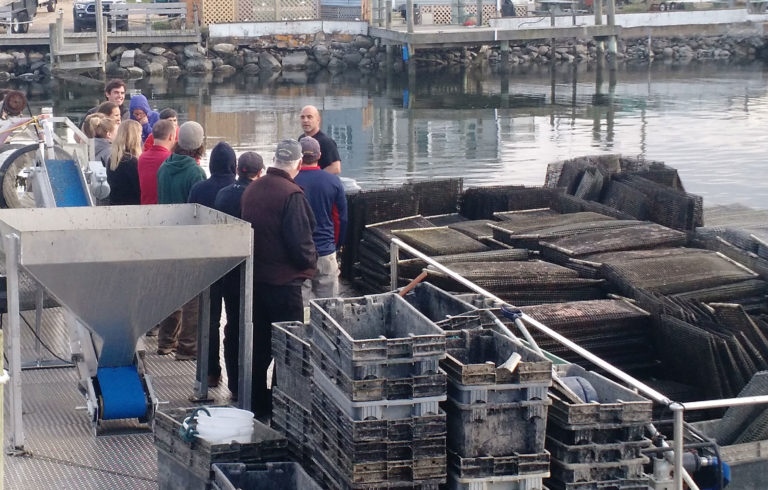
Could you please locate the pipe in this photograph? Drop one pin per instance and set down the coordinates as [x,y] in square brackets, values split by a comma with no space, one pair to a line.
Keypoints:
[397,244]
[677,434]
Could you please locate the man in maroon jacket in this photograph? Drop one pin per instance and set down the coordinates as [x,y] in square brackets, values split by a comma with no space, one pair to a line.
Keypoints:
[284,256]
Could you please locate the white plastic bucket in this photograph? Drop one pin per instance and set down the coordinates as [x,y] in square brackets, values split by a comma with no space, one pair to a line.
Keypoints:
[224,425]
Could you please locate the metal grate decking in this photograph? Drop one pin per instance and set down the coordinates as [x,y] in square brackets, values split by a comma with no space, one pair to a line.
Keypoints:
[63,453]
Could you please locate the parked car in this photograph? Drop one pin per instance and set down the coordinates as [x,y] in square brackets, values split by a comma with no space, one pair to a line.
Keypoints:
[84,14]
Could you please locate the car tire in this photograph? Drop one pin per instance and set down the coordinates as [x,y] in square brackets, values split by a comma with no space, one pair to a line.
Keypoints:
[51,5]
[78,27]
[122,24]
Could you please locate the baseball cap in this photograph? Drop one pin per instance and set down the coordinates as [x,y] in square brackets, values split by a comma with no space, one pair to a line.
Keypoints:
[288,150]
[191,136]
[250,162]
[310,149]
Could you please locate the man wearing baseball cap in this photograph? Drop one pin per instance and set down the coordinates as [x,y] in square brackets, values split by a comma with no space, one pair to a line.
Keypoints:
[284,256]
[250,166]
[175,178]
[326,196]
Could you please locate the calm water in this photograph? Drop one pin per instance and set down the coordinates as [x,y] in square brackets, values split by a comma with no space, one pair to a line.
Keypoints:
[709,121]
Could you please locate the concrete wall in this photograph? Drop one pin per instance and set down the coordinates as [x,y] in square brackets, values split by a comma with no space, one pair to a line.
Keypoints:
[642,19]
[257,29]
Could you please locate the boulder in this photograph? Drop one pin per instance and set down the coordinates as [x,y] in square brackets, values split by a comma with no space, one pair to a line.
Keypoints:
[250,56]
[7,63]
[20,58]
[5,76]
[128,58]
[198,65]
[134,72]
[352,59]
[117,52]
[161,60]
[157,50]
[267,62]
[35,56]
[322,54]
[225,71]
[155,68]
[194,51]
[363,42]
[336,65]
[224,49]
[295,61]
[251,69]
[173,72]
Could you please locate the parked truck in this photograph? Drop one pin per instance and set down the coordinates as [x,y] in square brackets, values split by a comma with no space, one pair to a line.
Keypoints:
[18,14]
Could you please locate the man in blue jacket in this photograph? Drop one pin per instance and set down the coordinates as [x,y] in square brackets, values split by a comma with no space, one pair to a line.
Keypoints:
[325,194]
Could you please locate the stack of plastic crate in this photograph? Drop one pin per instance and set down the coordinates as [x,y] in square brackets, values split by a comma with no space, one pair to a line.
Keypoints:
[377,388]
[292,395]
[497,412]
[596,441]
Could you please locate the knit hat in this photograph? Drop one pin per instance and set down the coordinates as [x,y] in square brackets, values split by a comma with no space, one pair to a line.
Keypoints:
[250,163]
[222,159]
[288,151]
[310,149]
[191,136]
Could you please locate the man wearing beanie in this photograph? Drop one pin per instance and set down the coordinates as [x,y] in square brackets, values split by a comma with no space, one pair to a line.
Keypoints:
[249,168]
[222,164]
[326,196]
[284,257]
[175,179]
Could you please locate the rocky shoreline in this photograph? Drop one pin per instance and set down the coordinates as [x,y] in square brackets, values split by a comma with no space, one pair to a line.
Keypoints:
[338,53]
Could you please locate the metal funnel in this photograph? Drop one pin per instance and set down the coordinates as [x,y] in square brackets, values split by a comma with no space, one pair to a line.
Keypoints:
[122,269]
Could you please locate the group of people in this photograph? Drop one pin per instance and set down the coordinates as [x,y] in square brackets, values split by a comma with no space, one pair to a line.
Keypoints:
[297,208]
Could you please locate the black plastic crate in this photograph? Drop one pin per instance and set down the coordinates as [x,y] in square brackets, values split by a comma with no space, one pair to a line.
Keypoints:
[285,476]
[184,464]
[490,466]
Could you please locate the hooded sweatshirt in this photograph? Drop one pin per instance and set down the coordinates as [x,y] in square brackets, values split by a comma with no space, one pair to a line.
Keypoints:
[223,166]
[175,179]
[103,148]
[140,102]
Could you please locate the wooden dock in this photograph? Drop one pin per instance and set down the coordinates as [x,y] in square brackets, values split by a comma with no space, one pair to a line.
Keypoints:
[450,36]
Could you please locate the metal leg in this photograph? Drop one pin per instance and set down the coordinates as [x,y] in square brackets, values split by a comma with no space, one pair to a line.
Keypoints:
[203,346]
[13,344]
[246,334]
[677,410]
[39,362]
[394,256]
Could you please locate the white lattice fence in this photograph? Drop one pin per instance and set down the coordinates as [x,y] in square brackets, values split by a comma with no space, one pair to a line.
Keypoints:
[218,11]
[443,14]
[222,11]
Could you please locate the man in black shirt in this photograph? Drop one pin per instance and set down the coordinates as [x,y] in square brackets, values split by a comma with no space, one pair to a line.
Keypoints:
[329,153]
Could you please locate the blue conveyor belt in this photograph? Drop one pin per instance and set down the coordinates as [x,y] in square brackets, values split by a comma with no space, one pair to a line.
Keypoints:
[122,393]
[68,188]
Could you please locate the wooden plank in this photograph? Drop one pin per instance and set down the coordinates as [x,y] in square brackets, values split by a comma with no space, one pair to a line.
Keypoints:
[78,65]
[73,49]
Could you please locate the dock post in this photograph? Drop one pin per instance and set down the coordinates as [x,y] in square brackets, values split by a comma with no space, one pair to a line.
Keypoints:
[598,6]
[612,41]
[409,16]
[101,35]
[53,42]
[504,48]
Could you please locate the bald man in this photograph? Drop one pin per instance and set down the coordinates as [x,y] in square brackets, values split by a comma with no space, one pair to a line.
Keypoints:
[310,124]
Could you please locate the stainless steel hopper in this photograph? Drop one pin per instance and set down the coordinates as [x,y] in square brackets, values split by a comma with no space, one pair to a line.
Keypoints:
[122,269]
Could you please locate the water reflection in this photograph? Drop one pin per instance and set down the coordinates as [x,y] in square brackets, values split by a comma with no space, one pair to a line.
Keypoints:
[492,127]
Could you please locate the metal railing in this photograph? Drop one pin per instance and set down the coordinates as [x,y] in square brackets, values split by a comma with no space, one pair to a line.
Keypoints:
[678,409]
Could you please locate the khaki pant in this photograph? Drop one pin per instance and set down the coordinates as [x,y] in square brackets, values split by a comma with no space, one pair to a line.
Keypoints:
[325,284]
[180,329]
